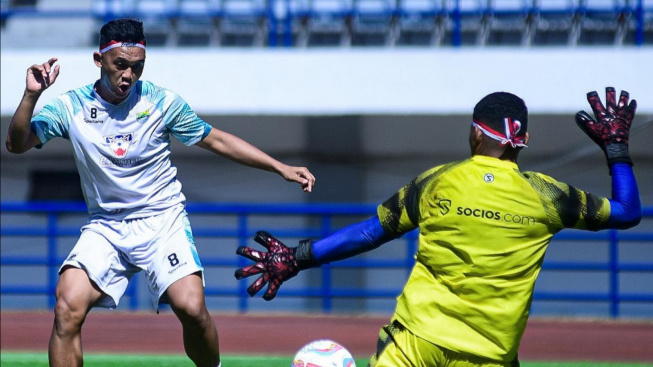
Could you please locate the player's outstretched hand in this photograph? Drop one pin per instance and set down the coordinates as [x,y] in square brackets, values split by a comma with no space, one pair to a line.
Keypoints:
[611,128]
[275,266]
[41,77]
[300,175]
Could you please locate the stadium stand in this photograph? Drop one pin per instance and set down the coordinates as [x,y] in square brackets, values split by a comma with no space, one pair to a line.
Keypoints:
[344,23]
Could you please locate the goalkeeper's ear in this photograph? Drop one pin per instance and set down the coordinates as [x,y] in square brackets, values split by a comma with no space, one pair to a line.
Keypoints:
[475,138]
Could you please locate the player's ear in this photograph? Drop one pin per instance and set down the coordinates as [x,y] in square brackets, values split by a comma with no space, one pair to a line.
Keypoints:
[527,137]
[475,137]
[97,58]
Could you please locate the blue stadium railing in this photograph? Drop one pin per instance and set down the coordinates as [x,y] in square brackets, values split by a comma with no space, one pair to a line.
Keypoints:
[279,15]
[327,292]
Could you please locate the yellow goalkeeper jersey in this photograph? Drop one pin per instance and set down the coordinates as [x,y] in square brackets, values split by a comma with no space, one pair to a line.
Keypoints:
[484,227]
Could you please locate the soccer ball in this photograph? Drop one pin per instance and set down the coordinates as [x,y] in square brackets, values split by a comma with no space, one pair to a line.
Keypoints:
[323,353]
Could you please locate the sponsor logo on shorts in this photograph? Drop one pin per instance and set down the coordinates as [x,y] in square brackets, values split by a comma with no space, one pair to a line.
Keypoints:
[496,215]
[177,267]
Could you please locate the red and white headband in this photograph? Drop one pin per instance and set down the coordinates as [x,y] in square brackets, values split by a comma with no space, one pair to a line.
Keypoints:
[509,136]
[113,44]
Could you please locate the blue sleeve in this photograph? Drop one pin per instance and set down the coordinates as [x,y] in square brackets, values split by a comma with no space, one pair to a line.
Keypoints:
[625,205]
[351,241]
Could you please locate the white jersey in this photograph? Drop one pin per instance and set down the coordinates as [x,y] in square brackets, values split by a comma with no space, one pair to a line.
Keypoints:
[122,151]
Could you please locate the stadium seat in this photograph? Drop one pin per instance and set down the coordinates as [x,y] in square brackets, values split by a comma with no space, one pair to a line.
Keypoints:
[105,10]
[468,21]
[198,23]
[328,23]
[421,22]
[603,22]
[4,12]
[24,26]
[556,22]
[640,24]
[243,23]
[158,17]
[372,22]
[510,23]
[293,17]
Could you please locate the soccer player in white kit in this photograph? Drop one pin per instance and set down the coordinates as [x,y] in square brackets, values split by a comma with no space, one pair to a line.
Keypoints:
[120,130]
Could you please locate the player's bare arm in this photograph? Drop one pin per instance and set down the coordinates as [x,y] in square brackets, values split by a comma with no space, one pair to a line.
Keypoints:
[39,78]
[240,151]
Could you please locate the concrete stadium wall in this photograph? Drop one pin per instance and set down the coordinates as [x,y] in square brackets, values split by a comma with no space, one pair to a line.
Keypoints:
[360,81]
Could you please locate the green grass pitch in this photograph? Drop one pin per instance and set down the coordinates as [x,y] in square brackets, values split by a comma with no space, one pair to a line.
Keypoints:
[18,359]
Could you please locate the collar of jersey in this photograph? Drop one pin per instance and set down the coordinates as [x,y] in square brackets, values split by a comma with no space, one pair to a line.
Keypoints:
[496,162]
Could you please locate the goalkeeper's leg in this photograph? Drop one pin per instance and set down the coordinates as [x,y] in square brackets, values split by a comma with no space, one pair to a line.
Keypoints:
[398,347]
[187,300]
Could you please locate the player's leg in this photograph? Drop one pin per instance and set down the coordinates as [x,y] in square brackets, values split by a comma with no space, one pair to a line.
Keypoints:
[397,346]
[455,359]
[75,294]
[175,276]
[186,297]
[94,274]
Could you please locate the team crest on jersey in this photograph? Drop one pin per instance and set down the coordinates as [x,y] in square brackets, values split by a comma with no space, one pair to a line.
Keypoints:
[119,144]
[142,115]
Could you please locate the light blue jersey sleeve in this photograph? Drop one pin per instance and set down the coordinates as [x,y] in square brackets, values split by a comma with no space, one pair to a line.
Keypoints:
[51,122]
[183,123]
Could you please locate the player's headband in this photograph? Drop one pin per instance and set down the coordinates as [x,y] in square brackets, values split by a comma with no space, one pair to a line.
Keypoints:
[113,44]
[509,136]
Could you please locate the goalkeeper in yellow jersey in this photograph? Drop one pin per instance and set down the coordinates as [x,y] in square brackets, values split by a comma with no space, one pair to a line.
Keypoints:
[484,227]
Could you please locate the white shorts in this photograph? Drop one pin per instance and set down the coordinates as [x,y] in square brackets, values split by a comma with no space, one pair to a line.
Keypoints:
[111,252]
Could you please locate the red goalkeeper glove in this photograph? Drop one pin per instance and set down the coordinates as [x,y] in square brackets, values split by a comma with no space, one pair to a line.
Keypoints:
[612,126]
[277,265]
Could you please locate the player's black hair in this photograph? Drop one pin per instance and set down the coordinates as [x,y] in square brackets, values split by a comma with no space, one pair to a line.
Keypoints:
[122,30]
[495,107]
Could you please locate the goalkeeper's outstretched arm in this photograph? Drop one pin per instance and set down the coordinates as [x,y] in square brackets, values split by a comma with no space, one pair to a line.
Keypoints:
[625,205]
[281,262]
[350,241]
[610,130]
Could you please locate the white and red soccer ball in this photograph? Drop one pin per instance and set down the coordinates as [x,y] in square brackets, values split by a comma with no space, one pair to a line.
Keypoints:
[323,353]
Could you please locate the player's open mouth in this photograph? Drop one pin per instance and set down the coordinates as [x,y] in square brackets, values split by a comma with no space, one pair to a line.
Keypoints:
[124,88]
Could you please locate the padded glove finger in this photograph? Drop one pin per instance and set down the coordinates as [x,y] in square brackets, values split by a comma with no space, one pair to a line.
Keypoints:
[628,113]
[250,253]
[590,127]
[273,288]
[596,105]
[250,270]
[266,239]
[610,101]
[258,284]
[623,100]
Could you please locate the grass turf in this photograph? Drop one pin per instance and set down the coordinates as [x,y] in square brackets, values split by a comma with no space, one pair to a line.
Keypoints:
[18,359]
